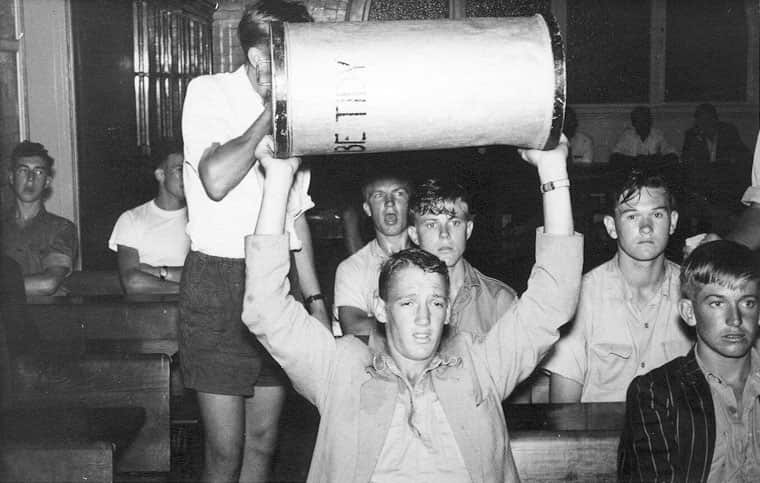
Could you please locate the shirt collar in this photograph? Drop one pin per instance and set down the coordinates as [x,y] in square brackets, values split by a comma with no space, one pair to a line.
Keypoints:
[614,270]
[754,369]
[471,278]
[383,365]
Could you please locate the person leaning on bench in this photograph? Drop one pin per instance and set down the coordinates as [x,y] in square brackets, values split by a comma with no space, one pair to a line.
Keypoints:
[414,406]
[697,418]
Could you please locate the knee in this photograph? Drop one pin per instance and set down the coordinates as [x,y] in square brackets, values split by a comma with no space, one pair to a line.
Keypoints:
[262,436]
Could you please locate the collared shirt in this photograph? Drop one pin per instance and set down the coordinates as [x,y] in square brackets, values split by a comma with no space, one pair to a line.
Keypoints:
[582,149]
[356,278]
[420,445]
[480,302]
[611,341]
[752,195]
[47,240]
[631,144]
[737,436]
[158,235]
[218,108]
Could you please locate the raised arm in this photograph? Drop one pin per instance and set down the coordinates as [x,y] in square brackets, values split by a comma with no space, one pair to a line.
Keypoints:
[307,273]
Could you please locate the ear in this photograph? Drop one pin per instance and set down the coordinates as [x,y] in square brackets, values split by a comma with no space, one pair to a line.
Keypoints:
[673,221]
[159,174]
[469,228]
[411,230]
[380,309]
[686,309]
[609,224]
[255,56]
[367,211]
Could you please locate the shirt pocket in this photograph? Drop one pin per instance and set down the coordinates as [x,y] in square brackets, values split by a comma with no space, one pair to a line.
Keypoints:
[611,364]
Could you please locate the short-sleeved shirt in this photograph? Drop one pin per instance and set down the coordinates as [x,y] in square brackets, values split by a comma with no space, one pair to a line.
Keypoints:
[219,108]
[47,240]
[582,149]
[356,279]
[158,235]
[480,302]
[631,144]
[752,195]
[610,341]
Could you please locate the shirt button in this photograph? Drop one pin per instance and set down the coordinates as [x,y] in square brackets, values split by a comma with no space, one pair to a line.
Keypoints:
[646,325]
[643,365]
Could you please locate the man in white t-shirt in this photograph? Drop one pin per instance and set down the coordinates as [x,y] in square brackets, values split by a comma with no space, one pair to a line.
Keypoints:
[641,143]
[150,240]
[386,201]
[240,388]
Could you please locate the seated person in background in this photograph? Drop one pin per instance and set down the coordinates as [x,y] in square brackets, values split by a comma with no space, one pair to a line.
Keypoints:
[641,144]
[696,417]
[43,244]
[711,140]
[412,407]
[627,321]
[581,145]
[150,240]
[386,201]
[441,223]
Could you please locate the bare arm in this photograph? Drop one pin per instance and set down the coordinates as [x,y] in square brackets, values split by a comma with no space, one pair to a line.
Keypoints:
[564,390]
[137,278]
[355,321]
[222,168]
[307,274]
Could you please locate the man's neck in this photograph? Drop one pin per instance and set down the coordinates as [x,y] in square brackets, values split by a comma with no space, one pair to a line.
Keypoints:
[167,201]
[643,277]
[392,244]
[456,278]
[730,370]
[25,211]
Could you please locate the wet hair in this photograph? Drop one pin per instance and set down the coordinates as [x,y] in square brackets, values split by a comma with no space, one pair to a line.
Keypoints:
[636,180]
[161,151]
[26,149]
[411,257]
[722,262]
[253,29]
[435,197]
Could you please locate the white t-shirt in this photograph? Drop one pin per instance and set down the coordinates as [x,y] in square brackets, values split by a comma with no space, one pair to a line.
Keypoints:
[631,144]
[158,235]
[356,278]
[752,195]
[218,108]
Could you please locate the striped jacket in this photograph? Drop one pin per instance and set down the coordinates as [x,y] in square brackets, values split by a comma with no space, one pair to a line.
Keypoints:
[669,431]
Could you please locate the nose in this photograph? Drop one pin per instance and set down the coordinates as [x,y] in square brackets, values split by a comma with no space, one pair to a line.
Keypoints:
[646,225]
[444,231]
[389,201]
[734,316]
[423,315]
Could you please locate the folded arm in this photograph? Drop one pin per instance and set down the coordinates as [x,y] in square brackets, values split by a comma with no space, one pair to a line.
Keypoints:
[141,278]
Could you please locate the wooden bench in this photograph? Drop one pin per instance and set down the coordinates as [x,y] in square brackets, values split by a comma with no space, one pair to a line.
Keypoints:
[93,282]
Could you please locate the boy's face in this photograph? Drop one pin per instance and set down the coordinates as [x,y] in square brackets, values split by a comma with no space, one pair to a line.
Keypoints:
[642,226]
[387,203]
[172,170]
[30,178]
[414,314]
[444,235]
[726,319]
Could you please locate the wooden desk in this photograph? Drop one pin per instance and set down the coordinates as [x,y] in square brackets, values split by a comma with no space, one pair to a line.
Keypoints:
[565,442]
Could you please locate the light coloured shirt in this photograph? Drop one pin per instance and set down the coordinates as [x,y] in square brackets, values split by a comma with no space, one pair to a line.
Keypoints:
[611,341]
[356,279]
[737,436]
[219,108]
[582,149]
[480,302]
[631,144]
[420,446]
[158,235]
[752,194]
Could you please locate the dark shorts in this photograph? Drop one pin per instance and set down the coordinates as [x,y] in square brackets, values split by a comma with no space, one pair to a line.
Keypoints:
[218,354]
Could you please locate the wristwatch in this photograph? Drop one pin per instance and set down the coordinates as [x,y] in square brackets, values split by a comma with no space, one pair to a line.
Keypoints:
[163,272]
[552,185]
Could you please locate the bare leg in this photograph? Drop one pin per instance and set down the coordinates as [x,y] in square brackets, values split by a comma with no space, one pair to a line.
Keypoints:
[223,418]
[262,414]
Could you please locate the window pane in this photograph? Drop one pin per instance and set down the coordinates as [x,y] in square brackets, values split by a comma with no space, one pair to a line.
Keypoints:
[706,51]
[607,51]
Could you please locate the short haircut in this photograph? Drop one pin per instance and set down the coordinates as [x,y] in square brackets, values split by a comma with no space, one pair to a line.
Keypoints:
[723,262]
[637,179]
[384,175]
[253,29]
[160,152]
[411,257]
[435,197]
[26,149]
[706,109]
